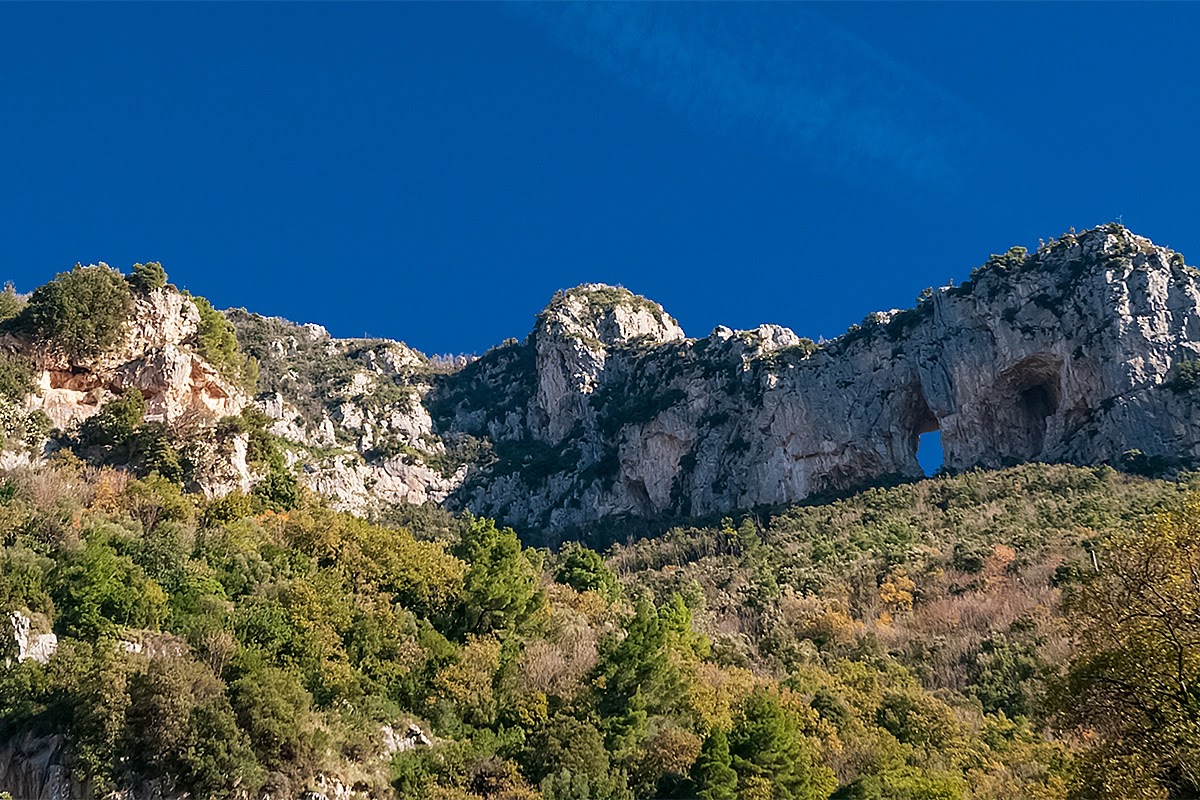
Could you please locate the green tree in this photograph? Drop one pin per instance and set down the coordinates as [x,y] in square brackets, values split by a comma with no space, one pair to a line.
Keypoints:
[712,773]
[275,710]
[500,586]
[219,346]
[584,570]
[152,451]
[16,377]
[278,491]
[83,312]
[1135,683]
[95,590]
[767,745]
[10,303]
[567,759]
[115,425]
[147,277]
[181,729]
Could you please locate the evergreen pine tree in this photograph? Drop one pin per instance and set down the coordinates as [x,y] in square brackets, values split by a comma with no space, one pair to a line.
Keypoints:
[712,773]
[767,744]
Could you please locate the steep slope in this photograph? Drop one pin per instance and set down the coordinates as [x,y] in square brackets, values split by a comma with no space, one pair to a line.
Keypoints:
[1086,352]
[1072,354]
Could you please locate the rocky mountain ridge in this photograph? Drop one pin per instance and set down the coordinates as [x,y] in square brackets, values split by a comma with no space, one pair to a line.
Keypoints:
[1078,353]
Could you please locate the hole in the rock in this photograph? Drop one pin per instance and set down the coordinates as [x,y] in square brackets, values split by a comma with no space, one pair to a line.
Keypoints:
[930,454]
[1037,401]
[926,442]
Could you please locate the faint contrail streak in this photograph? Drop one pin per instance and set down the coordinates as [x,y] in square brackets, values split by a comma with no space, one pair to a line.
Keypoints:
[804,87]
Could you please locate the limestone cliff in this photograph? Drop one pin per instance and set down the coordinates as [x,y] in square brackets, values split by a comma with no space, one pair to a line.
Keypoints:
[157,355]
[1067,354]
[1080,352]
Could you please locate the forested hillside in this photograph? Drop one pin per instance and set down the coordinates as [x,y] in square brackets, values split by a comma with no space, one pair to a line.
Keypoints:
[1026,633]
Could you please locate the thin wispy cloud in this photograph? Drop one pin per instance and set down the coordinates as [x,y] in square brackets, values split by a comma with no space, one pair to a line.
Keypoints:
[781,75]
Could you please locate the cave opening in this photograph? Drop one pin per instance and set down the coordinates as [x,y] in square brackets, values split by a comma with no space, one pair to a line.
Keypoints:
[926,434]
[930,454]
[1036,403]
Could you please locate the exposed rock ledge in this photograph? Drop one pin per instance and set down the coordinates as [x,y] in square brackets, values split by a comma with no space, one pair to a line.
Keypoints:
[606,409]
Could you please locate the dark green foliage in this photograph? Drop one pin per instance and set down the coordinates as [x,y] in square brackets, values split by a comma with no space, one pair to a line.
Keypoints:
[568,760]
[278,491]
[218,343]
[96,591]
[147,277]
[766,743]
[500,587]
[10,303]
[712,774]
[843,636]
[584,570]
[968,557]
[1186,377]
[1003,673]
[500,382]
[118,436]
[272,706]
[534,461]
[155,452]
[182,730]
[16,377]
[116,423]
[622,403]
[640,673]
[82,312]
[1152,466]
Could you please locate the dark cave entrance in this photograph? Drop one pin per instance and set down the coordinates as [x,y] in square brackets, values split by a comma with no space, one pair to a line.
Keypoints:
[1035,404]
[1035,383]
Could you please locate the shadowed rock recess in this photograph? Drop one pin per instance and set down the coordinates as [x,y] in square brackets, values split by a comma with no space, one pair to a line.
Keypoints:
[607,408]
[1076,353]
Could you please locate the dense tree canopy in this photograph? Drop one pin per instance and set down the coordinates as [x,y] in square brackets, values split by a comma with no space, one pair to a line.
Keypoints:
[898,644]
[84,312]
[1136,684]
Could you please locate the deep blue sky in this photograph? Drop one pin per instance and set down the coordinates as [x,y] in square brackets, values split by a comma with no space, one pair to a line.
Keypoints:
[434,172]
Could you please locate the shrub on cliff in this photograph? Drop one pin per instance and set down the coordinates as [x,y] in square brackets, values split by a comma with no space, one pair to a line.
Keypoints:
[147,277]
[10,303]
[16,377]
[1186,377]
[116,422]
[219,346]
[82,313]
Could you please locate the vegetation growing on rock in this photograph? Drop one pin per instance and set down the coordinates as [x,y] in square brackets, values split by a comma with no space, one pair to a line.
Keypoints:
[905,642]
[81,313]
[218,344]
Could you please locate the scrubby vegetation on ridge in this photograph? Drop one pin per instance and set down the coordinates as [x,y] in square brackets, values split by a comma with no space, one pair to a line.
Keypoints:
[83,312]
[909,642]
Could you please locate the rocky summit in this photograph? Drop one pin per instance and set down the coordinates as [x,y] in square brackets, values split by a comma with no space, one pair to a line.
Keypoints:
[1085,351]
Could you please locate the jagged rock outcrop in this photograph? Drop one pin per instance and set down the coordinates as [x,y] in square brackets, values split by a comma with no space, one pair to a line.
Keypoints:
[571,341]
[1079,352]
[27,645]
[1064,355]
[606,409]
[38,768]
[158,356]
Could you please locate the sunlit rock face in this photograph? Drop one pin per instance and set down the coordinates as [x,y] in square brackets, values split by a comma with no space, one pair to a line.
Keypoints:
[1069,354]
[1076,353]
[606,409]
[158,356]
